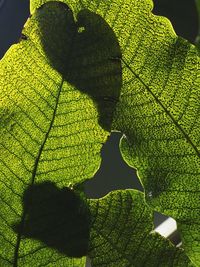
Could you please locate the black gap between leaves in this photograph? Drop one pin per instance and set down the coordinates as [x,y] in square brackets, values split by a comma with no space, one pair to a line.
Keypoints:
[114,173]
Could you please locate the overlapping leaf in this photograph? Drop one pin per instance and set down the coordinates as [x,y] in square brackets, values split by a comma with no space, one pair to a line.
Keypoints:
[53,120]
[159,114]
[158,110]
[47,116]
[122,234]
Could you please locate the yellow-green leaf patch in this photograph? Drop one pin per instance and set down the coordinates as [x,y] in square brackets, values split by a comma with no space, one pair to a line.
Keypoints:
[52,129]
[122,235]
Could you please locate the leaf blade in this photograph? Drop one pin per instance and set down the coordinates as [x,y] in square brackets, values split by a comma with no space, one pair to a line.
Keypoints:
[122,234]
[50,130]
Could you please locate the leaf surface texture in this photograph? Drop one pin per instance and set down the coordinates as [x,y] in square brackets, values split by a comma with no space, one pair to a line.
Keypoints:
[122,234]
[47,109]
[52,126]
[158,111]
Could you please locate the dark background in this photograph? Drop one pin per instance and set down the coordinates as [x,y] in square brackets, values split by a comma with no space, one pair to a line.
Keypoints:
[114,173]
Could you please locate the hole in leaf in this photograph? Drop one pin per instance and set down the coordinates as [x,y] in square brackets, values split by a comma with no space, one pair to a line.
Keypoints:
[81,29]
[114,173]
[167,227]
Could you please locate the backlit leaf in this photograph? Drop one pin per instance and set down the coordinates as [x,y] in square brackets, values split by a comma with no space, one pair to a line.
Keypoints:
[53,120]
[122,234]
[59,93]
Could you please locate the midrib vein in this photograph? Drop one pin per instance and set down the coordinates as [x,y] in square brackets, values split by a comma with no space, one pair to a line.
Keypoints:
[165,109]
[34,173]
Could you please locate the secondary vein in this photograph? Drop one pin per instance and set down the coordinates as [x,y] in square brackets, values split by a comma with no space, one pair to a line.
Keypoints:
[165,109]
[16,253]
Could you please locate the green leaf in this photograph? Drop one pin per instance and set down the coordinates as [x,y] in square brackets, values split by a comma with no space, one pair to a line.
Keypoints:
[159,114]
[47,116]
[53,121]
[122,234]
[158,110]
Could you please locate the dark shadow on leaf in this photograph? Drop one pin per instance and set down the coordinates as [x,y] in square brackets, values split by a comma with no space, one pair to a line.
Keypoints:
[85,52]
[57,217]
